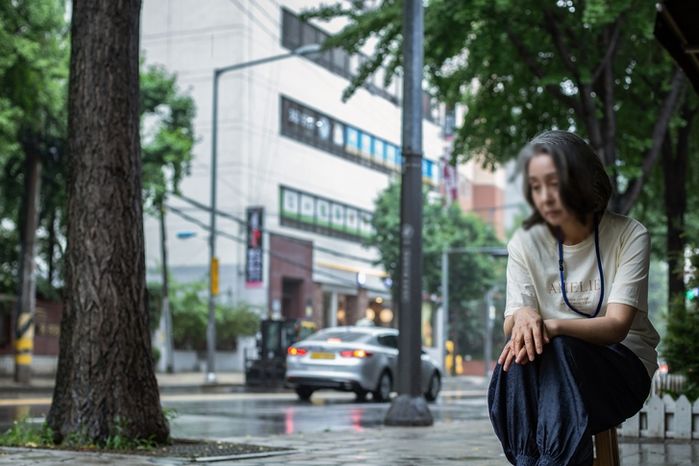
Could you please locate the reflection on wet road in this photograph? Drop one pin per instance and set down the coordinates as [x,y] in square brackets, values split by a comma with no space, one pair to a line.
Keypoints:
[241,414]
[233,418]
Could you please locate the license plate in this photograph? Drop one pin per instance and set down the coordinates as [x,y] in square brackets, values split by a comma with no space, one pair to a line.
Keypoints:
[322,356]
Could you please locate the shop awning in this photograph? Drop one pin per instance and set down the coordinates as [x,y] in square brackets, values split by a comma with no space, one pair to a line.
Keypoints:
[347,278]
[677,29]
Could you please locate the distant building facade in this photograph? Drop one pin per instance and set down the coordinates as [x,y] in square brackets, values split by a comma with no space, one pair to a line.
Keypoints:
[305,166]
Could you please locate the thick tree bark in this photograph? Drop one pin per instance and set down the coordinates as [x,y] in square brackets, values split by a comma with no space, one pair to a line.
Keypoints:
[667,110]
[105,383]
[674,168]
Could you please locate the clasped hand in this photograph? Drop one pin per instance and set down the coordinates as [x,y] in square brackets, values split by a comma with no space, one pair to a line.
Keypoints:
[528,336]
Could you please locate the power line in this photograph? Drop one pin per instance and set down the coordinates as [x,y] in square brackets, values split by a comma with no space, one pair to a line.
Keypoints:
[244,223]
[255,20]
[264,13]
[267,251]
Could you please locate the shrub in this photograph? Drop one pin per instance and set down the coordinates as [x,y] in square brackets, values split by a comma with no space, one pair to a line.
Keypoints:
[681,344]
[190,311]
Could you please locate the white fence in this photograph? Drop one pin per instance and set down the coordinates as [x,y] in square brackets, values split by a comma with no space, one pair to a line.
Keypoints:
[663,383]
[664,418]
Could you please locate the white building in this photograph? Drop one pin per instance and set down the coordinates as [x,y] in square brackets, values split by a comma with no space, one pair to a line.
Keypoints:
[288,144]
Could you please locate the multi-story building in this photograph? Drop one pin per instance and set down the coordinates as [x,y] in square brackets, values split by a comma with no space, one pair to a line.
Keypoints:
[308,164]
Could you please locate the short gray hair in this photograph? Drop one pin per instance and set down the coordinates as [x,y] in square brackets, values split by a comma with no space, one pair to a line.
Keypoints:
[585,187]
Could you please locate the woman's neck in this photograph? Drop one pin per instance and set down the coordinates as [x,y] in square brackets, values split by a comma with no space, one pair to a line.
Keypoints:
[575,232]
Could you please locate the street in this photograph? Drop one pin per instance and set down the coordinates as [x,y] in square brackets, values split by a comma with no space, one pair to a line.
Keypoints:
[354,431]
[215,416]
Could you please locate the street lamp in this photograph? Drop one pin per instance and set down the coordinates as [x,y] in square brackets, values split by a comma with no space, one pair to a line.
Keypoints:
[213,261]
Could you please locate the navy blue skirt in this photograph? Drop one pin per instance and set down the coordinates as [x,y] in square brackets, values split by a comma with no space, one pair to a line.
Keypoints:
[546,411]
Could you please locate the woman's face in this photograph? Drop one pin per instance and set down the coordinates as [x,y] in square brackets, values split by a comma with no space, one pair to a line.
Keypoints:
[544,186]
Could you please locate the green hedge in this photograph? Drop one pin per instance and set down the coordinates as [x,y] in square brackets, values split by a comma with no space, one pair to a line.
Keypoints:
[189,304]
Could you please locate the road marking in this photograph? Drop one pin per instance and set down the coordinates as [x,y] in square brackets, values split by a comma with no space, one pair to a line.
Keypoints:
[199,397]
[25,402]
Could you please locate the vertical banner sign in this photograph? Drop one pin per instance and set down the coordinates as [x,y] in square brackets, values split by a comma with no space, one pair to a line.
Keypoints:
[450,179]
[253,250]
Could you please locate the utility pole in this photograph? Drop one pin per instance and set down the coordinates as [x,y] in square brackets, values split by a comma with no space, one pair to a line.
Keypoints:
[410,407]
[26,299]
[489,321]
[307,49]
[213,260]
[166,314]
[442,339]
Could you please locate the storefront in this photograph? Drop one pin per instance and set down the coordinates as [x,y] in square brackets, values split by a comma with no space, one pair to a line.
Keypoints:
[349,295]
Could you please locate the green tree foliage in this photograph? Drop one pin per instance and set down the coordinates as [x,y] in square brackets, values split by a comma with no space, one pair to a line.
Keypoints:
[33,78]
[470,274]
[681,344]
[167,134]
[167,141]
[190,311]
[522,66]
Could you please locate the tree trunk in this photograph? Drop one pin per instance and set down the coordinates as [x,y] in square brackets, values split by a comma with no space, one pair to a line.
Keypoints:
[674,179]
[105,383]
[674,172]
[51,248]
[26,302]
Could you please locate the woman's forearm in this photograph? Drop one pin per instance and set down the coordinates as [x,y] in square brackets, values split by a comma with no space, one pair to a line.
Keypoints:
[604,330]
[507,326]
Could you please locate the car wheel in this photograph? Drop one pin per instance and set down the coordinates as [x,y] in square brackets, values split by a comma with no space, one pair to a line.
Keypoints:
[360,395]
[304,393]
[434,387]
[383,387]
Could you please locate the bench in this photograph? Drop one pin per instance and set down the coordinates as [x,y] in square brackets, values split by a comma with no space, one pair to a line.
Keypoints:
[606,448]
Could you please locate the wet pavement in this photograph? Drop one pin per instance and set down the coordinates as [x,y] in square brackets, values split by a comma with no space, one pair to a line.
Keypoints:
[333,429]
[326,412]
[446,443]
[227,409]
[218,416]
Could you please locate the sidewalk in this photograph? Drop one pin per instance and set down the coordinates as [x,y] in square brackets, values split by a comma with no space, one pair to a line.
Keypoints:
[446,443]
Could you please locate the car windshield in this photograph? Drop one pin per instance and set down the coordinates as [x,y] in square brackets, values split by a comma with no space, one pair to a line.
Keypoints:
[338,336]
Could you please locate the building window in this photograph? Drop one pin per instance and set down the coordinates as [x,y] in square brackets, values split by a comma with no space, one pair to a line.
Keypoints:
[367,146]
[296,33]
[319,130]
[392,155]
[430,108]
[340,62]
[310,212]
[291,30]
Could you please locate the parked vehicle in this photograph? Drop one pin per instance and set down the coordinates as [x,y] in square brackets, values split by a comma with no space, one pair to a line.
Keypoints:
[358,359]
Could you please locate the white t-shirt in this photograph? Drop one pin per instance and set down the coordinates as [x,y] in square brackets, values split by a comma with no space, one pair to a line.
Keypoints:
[533,278]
